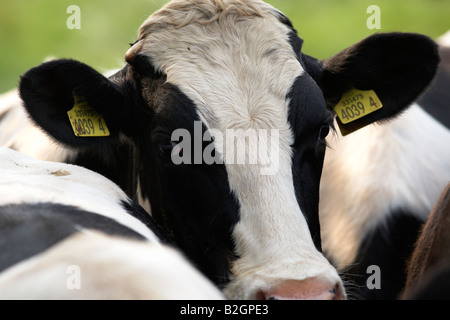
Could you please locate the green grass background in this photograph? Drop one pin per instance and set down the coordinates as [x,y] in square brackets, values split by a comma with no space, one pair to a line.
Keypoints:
[31,30]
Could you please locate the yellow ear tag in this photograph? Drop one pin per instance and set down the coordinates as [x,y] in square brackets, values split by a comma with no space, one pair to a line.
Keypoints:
[85,121]
[356,104]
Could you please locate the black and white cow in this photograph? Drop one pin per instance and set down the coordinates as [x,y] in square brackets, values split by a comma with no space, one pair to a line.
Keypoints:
[215,69]
[70,233]
[380,184]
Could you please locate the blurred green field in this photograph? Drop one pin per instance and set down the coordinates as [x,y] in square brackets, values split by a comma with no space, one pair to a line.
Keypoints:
[30,31]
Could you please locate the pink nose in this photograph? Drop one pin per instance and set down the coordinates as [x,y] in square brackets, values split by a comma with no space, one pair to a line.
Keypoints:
[307,289]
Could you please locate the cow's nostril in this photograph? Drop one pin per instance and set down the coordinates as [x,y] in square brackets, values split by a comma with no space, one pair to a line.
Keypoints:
[333,292]
[337,293]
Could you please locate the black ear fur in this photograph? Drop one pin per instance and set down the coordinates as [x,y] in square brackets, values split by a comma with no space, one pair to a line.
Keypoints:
[397,66]
[48,93]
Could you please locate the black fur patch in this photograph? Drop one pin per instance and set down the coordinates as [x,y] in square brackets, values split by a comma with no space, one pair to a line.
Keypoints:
[29,229]
[307,115]
[436,100]
[139,213]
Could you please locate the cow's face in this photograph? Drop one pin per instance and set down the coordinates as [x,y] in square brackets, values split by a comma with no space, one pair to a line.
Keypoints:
[229,121]
[244,177]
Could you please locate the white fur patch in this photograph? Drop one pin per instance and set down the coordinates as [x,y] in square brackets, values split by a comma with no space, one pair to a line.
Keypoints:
[26,180]
[403,164]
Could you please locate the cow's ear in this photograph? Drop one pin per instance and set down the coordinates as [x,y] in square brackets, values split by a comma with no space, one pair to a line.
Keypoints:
[397,67]
[97,104]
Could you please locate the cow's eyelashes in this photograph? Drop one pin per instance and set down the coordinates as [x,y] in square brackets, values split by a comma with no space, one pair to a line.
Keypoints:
[166,147]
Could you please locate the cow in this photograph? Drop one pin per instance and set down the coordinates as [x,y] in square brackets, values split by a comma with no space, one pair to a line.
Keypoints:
[429,265]
[375,198]
[70,233]
[205,71]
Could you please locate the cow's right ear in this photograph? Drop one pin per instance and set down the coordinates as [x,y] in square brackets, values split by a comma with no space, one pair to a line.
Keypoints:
[394,67]
[97,104]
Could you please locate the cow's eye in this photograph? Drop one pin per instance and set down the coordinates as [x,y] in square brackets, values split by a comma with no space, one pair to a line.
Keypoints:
[166,147]
[324,131]
[163,142]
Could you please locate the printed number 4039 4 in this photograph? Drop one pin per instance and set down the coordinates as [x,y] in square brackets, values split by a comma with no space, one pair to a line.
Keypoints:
[87,123]
[356,104]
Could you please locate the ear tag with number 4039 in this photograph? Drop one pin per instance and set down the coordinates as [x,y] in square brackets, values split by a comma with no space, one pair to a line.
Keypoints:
[354,105]
[85,121]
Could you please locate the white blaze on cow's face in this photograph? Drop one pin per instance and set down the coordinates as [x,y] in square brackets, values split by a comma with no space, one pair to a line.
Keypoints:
[237,65]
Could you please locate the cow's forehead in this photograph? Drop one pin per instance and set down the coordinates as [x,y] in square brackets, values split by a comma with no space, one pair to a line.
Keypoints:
[179,13]
[234,62]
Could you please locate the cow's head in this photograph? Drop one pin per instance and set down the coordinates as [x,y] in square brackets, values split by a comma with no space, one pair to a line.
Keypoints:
[228,118]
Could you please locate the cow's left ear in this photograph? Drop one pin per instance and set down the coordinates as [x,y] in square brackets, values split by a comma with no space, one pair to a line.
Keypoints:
[75,104]
[397,67]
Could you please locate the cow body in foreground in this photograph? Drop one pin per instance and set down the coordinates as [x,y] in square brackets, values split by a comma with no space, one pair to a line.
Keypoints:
[375,198]
[229,77]
[69,233]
